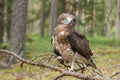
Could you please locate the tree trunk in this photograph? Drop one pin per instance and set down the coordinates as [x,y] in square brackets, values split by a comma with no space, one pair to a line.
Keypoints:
[117,25]
[69,6]
[92,21]
[78,14]
[1,20]
[79,7]
[7,20]
[42,23]
[18,28]
[107,17]
[53,16]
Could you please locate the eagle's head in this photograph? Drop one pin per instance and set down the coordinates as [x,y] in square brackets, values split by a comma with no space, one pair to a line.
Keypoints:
[67,19]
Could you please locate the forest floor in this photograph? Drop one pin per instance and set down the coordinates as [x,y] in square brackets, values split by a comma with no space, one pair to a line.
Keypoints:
[106,55]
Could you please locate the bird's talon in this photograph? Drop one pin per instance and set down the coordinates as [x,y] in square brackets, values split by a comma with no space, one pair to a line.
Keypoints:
[71,70]
[59,58]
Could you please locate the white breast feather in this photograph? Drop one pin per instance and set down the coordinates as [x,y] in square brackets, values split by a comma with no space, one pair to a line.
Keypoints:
[62,33]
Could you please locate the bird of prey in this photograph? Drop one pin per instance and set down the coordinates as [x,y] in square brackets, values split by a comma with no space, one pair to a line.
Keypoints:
[69,45]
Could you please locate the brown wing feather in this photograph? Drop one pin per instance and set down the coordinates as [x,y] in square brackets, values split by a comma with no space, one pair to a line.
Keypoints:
[80,44]
[55,50]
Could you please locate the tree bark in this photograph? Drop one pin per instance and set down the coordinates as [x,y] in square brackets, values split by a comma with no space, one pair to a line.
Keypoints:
[78,14]
[92,21]
[53,16]
[1,20]
[79,7]
[42,23]
[18,28]
[107,17]
[117,26]
[7,20]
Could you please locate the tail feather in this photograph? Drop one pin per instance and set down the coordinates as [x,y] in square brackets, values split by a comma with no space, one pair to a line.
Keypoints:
[92,63]
[98,71]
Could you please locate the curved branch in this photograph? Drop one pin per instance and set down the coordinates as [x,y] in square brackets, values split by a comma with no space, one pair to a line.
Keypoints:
[62,71]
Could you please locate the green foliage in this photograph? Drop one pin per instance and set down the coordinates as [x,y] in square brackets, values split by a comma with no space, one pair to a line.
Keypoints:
[4,46]
[99,42]
[35,44]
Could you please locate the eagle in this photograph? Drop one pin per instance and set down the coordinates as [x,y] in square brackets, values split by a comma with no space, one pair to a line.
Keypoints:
[69,45]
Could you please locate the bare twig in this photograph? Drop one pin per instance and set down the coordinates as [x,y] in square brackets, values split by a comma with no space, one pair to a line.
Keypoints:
[62,71]
[117,73]
[50,58]
[32,76]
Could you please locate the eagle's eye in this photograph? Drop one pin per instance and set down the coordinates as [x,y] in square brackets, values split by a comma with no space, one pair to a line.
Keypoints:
[64,21]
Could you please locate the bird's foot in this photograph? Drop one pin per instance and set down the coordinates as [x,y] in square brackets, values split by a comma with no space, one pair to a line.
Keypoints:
[71,70]
[59,58]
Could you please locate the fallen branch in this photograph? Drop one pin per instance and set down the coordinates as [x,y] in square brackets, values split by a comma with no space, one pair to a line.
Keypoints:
[117,73]
[62,71]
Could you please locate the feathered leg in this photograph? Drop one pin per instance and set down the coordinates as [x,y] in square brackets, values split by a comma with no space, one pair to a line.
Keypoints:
[72,66]
[73,62]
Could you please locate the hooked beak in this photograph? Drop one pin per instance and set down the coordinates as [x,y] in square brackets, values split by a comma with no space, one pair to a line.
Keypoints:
[69,19]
